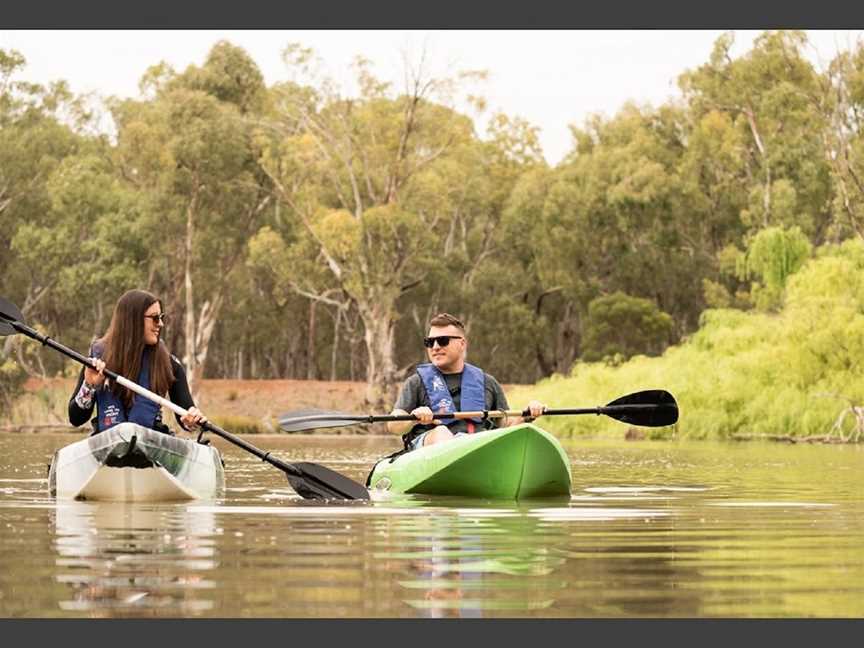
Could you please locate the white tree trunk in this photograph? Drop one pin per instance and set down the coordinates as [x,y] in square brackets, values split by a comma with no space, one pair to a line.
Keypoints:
[189,324]
[379,335]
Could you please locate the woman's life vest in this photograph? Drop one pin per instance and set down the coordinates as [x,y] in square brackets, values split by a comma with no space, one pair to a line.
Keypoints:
[112,411]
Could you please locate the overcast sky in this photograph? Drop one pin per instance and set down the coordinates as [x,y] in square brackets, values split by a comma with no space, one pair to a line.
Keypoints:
[550,78]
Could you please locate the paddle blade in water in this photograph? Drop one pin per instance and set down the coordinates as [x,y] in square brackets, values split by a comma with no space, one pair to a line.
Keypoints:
[8,310]
[319,482]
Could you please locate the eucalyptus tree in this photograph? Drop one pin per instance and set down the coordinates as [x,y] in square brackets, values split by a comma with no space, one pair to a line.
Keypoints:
[490,279]
[187,146]
[370,183]
[770,97]
[41,127]
[37,130]
[843,105]
[609,219]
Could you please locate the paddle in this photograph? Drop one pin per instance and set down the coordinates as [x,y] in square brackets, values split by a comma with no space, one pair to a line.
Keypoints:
[649,408]
[310,480]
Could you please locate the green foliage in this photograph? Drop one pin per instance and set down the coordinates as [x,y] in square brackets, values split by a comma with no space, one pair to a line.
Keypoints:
[621,325]
[789,373]
[716,294]
[776,253]
[773,255]
[12,378]
[761,106]
[230,75]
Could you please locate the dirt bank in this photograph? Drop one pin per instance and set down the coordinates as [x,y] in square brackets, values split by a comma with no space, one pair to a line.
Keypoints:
[232,401]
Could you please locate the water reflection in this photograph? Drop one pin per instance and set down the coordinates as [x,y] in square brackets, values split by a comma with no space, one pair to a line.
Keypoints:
[464,560]
[134,560]
[654,530]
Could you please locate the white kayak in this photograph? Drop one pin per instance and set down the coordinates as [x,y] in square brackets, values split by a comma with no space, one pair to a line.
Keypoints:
[131,463]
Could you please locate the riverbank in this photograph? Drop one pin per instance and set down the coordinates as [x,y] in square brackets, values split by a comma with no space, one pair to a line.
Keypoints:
[240,406]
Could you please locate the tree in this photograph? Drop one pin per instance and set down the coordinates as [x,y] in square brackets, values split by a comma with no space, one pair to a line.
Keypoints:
[772,96]
[773,255]
[620,326]
[371,183]
[843,106]
[40,127]
[189,148]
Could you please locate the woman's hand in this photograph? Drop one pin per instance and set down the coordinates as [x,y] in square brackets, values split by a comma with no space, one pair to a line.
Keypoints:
[92,377]
[193,418]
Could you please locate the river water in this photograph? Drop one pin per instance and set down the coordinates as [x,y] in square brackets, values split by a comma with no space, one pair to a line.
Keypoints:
[653,529]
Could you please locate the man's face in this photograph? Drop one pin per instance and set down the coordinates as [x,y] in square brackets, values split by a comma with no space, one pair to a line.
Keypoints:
[450,357]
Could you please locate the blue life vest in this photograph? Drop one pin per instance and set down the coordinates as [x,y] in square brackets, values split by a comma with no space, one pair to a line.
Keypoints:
[473,391]
[112,411]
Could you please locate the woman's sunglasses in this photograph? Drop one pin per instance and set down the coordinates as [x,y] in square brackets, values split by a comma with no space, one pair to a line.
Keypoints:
[442,340]
[157,319]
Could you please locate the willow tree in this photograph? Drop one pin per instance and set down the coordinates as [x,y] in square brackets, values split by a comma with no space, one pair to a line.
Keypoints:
[367,182]
[187,146]
[773,255]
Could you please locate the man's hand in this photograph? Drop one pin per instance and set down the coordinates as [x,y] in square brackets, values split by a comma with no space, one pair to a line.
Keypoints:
[424,415]
[536,409]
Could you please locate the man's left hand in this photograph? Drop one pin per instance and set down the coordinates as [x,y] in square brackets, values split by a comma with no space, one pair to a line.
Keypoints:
[536,408]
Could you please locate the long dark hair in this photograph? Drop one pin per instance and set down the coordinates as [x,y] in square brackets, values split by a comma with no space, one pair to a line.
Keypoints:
[123,345]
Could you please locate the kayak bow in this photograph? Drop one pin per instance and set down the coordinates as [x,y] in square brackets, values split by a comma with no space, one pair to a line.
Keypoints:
[518,462]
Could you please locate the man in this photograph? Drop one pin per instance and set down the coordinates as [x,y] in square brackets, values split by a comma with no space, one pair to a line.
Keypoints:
[449,384]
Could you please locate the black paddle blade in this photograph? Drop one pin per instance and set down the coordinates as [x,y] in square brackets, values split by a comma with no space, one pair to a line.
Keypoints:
[9,311]
[300,420]
[649,408]
[319,482]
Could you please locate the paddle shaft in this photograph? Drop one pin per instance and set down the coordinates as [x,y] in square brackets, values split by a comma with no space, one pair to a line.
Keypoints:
[373,418]
[146,393]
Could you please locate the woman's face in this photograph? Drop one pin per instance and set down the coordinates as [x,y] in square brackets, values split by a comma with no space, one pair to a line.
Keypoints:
[153,323]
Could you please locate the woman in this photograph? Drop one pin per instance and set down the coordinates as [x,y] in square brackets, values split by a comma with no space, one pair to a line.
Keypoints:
[131,348]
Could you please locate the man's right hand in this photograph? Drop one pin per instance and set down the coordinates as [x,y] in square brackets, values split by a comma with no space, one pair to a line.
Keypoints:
[424,415]
[95,377]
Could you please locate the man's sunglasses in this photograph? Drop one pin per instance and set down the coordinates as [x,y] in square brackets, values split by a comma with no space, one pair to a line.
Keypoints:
[442,340]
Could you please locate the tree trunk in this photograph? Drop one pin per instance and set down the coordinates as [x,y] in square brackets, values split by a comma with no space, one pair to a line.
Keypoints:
[203,334]
[198,333]
[191,351]
[379,335]
[310,348]
[334,352]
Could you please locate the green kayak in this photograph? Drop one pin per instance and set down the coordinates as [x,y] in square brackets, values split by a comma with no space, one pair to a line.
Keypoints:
[517,462]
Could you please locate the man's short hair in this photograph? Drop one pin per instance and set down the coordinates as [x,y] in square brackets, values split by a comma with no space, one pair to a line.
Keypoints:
[446,319]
